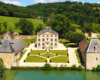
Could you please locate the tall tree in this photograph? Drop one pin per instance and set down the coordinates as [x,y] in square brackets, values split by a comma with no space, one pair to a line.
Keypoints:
[5,24]
[61,24]
[26,26]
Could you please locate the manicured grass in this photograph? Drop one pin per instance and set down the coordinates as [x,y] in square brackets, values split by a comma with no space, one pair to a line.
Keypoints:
[35,59]
[47,54]
[60,59]
[27,41]
[62,40]
[59,52]
[78,30]
[36,52]
[12,20]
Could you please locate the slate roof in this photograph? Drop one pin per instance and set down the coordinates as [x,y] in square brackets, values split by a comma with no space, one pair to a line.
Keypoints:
[17,45]
[92,45]
[6,47]
[83,45]
[47,29]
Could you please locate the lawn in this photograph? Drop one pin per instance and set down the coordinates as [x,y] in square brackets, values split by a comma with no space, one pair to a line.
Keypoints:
[27,41]
[47,54]
[35,59]
[60,59]
[59,52]
[71,45]
[12,20]
[36,52]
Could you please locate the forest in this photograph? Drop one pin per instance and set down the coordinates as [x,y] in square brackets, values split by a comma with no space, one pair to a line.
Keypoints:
[86,15]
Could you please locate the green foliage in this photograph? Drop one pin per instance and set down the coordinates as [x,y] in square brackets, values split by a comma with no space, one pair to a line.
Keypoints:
[5,25]
[79,68]
[47,67]
[76,37]
[61,68]
[61,24]
[26,26]
[93,69]
[2,70]
[73,67]
[40,27]
[98,68]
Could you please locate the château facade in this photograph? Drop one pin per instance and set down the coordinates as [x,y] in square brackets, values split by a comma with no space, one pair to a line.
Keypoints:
[47,38]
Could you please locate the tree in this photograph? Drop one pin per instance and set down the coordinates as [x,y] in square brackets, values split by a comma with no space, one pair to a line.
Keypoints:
[2,70]
[5,24]
[40,27]
[26,26]
[16,25]
[76,37]
[88,27]
[61,24]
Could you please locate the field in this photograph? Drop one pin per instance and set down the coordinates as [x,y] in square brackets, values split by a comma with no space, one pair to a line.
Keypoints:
[12,20]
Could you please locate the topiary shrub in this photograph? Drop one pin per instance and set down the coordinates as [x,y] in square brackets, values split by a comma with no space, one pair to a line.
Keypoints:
[56,54]
[73,67]
[79,68]
[93,69]
[48,57]
[47,67]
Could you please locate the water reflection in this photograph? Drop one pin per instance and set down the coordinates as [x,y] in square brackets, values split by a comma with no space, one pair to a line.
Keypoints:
[52,75]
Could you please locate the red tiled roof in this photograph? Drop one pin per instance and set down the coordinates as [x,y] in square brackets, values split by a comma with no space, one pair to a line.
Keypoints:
[83,45]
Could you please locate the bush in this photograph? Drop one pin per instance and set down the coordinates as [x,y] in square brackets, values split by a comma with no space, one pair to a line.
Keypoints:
[98,68]
[79,68]
[48,56]
[61,68]
[56,54]
[73,67]
[51,47]
[93,69]
[42,47]
[47,67]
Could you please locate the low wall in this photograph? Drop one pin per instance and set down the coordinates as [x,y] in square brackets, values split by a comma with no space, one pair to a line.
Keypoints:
[26,37]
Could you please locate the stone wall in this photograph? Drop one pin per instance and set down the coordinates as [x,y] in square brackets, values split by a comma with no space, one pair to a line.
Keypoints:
[7,37]
[26,37]
[92,60]
[8,59]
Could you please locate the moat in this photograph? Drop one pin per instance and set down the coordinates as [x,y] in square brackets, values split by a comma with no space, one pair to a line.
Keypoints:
[51,75]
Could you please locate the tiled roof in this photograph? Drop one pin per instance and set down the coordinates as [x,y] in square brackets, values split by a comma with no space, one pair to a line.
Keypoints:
[47,29]
[83,45]
[6,47]
[91,48]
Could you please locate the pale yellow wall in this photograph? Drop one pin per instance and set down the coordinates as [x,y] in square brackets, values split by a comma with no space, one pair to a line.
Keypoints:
[91,60]
[16,34]
[7,37]
[45,38]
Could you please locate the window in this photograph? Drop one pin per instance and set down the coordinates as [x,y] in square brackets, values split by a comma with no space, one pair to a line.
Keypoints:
[43,40]
[96,58]
[51,44]
[42,44]
[38,35]
[51,40]
[47,36]
[47,39]
[56,40]
[55,44]
[38,44]
[39,40]
[43,35]
[55,35]
[51,35]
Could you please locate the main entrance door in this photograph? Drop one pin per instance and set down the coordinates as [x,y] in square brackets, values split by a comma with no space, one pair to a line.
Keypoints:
[47,45]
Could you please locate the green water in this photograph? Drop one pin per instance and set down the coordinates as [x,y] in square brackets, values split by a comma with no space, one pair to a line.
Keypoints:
[51,75]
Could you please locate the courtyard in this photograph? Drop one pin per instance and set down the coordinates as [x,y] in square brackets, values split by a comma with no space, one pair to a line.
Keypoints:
[56,56]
